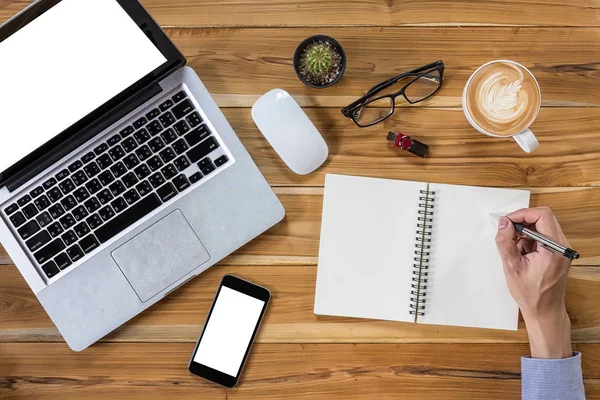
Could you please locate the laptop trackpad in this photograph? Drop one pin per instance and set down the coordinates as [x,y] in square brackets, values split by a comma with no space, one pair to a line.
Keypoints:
[160,255]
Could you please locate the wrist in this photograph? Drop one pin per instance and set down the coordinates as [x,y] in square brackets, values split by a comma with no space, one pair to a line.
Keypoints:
[549,336]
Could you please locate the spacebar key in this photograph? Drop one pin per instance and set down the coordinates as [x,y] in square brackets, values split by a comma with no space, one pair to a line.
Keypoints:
[128,217]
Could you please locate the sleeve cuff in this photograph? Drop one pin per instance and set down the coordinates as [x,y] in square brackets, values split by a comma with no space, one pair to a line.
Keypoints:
[552,378]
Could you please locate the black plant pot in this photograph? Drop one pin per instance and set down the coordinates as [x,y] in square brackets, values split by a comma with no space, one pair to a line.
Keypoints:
[322,38]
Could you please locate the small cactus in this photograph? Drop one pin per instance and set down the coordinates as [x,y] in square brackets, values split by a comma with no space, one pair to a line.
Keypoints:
[319,59]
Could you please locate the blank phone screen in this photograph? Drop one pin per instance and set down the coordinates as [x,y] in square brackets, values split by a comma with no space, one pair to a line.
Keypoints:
[228,331]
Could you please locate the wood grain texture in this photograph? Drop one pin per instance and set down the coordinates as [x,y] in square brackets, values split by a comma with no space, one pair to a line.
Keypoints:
[290,318]
[361,12]
[564,60]
[308,371]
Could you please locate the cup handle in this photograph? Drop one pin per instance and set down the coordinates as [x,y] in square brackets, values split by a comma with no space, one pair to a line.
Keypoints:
[527,141]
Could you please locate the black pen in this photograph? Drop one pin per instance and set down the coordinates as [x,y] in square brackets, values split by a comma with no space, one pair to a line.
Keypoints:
[547,243]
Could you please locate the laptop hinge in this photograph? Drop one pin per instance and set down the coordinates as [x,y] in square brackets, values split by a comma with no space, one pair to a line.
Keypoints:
[83,136]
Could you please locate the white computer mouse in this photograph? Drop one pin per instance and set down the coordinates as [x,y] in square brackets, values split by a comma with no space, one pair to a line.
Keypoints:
[290,132]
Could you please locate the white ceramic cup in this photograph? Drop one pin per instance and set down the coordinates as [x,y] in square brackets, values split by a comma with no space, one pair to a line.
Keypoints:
[526,139]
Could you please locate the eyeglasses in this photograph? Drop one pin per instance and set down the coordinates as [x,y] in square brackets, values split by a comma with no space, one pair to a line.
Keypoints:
[379,102]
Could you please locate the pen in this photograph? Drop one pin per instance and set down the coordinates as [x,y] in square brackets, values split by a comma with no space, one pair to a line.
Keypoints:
[547,243]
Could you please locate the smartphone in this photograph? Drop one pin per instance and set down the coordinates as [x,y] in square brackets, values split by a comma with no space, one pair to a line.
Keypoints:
[229,331]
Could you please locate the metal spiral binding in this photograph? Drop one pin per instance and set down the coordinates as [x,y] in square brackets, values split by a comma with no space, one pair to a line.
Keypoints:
[420,273]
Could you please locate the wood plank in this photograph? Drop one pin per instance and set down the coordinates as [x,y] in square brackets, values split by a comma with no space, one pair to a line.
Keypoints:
[458,153]
[295,240]
[290,318]
[362,12]
[563,59]
[312,371]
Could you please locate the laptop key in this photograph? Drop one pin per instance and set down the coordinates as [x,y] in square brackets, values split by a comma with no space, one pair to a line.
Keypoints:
[116,153]
[29,229]
[62,175]
[167,154]
[105,196]
[208,169]
[101,149]
[195,177]
[67,221]
[36,192]
[42,202]
[89,243]
[55,194]
[182,109]
[140,122]
[17,219]
[94,221]
[221,160]
[68,202]
[143,153]
[128,217]
[50,269]
[56,211]
[127,131]
[117,188]
[129,144]
[75,166]
[49,251]
[131,161]
[80,213]
[30,211]
[81,229]
[169,171]
[194,119]
[69,238]
[130,180]
[196,136]
[79,178]
[88,157]
[141,136]
[156,144]
[66,186]
[106,213]
[180,146]
[114,140]
[181,182]
[106,178]
[62,261]
[166,192]
[92,205]
[37,241]
[119,204]
[166,105]
[55,229]
[91,169]
[203,149]
[205,162]
[44,219]
[168,136]
[75,253]
[81,194]
[11,209]
[179,96]
[104,161]
[143,188]
[154,128]
[156,180]
[24,200]
[181,128]
[181,163]
[93,186]
[153,114]
[142,171]
[131,196]
[167,119]
[155,163]
[118,169]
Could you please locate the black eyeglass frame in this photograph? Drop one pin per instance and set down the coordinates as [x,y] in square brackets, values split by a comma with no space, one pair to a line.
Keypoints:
[349,110]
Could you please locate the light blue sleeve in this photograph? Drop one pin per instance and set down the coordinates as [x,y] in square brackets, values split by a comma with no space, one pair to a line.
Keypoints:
[552,379]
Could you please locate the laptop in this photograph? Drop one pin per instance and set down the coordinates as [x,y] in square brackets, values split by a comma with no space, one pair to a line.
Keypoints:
[121,178]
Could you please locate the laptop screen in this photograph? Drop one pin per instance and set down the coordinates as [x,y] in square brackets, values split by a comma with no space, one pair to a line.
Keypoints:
[62,66]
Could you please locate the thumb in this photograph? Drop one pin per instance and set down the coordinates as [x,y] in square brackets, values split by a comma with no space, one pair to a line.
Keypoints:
[506,241]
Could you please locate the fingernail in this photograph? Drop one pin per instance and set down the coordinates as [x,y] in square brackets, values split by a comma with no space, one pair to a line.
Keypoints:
[502,223]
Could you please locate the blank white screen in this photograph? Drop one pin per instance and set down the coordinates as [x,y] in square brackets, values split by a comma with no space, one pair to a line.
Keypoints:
[62,66]
[228,331]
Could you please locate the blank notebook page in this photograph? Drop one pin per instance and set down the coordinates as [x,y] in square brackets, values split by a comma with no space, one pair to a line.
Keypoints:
[367,248]
[466,284]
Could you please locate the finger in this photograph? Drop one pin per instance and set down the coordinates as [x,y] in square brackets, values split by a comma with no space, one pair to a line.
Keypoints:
[530,215]
[506,241]
[526,245]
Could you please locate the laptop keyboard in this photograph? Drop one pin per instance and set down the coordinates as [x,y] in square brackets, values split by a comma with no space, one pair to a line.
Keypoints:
[136,170]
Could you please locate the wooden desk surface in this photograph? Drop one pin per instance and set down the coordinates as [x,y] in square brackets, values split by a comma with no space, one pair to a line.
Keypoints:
[243,48]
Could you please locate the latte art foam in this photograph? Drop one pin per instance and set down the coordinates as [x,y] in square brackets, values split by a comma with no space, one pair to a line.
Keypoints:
[503,98]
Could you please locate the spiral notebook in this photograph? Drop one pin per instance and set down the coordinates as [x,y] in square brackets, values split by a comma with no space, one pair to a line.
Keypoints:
[414,252]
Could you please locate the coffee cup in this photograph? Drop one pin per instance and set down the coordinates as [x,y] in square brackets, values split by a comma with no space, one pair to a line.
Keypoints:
[502,99]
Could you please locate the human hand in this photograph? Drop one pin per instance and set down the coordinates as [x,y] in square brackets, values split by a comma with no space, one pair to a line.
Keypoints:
[537,280]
